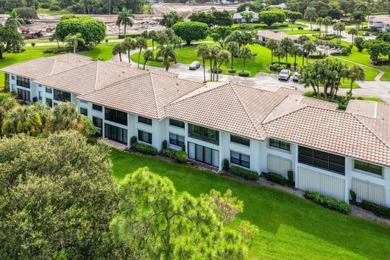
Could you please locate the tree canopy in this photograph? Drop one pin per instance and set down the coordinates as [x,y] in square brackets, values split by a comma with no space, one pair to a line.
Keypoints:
[190,31]
[271,17]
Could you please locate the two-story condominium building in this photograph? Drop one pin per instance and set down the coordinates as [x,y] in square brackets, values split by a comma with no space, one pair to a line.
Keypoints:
[329,151]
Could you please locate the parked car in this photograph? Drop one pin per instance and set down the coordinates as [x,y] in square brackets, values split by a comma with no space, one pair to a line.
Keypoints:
[30,21]
[194,65]
[296,76]
[284,75]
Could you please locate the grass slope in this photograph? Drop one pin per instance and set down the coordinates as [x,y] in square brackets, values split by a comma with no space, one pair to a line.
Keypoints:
[290,227]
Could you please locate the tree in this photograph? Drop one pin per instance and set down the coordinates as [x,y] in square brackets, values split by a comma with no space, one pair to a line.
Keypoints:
[319,22]
[220,33]
[26,13]
[377,48]
[190,31]
[168,55]
[271,17]
[234,48]
[170,19]
[124,18]
[64,205]
[91,29]
[293,16]
[74,40]
[327,21]
[141,43]
[153,37]
[355,73]
[203,51]
[241,37]
[203,17]
[118,49]
[248,16]
[214,52]
[11,37]
[296,51]
[308,48]
[286,44]
[311,13]
[148,55]
[339,27]
[358,17]
[279,53]
[272,45]
[354,32]
[222,18]
[156,223]
[7,103]
[14,18]
[223,57]
[129,44]
[245,53]
[359,43]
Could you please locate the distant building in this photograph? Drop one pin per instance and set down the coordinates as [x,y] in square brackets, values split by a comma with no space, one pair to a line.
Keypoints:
[239,17]
[263,36]
[382,23]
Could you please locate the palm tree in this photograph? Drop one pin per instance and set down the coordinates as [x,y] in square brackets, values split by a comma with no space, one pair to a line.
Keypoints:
[302,40]
[214,52]
[296,51]
[141,43]
[203,51]
[245,53]
[308,48]
[286,44]
[358,17]
[272,45]
[14,18]
[124,19]
[279,52]
[118,49]
[153,36]
[327,21]
[73,40]
[310,12]
[64,117]
[7,103]
[128,45]
[148,55]
[233,47]
[168,55]
[355,73]
[319,21]
[339,27]
[176,42]
[353,32]
[222,58]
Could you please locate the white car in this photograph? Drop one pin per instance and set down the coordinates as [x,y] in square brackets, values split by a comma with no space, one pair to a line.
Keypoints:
[284,75]
[194,65]
[296,76]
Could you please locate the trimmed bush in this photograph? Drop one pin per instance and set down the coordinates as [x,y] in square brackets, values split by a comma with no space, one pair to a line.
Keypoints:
[133,140]
[244,74]
[271,176]
[378,210]
[144,148]
[164,144]
[170,153]
[179,156]
[276,66]
[225,165]
[352,194]
[232,71]
[290,181]
[244,173]
[328,202]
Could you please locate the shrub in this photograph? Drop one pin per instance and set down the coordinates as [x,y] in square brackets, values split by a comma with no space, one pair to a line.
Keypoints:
[55,8]
[183,147]
[179,156]
[244,173]
[33,44]
[144,148]
[164,144]
[352,194]
[271,176]
[290,175]
[170,153]
[232,71]
[225,165]
[133,140]
[328,202]
[44,5]
[378,210]
[278,66]
[244,74]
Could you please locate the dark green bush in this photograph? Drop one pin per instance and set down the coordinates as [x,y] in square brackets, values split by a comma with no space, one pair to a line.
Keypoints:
[232,71]
[328,202]
[225,165]
[55,8]
[278,66]
[183,147]
[133,140]
[179,156]
[170,153]
[164,144]
[352,194]
[271,176]
[246,174]
[378,210]
[144,148]
[290,175]
[244,74]
[122,36]
[44,5]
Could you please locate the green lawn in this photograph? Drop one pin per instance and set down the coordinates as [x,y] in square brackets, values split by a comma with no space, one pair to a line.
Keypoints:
[299,32]
[290,227]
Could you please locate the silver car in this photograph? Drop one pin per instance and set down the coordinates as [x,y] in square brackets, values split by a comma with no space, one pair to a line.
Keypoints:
[194,65]
[296,76]
[284,75]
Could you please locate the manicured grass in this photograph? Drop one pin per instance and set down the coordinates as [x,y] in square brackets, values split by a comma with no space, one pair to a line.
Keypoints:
[299,32]
[290,227]
[101,51]
[379,100]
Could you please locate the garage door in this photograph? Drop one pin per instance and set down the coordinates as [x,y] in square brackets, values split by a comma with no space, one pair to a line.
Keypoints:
[322,183]
[279,165]
[366,190]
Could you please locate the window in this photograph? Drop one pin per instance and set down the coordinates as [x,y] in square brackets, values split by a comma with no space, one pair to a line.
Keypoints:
[203,133]
[84,111]
[115,133]
[279,144]
[48,90]
[321,160]
[368,167]
[240,159]
[97,107]
[176,139]
[240,140]
[49,102]
[177,123]
[98,123]
[203,154]
[116,116]
[145,137]
[24,95]
[23,82]
[61,96]
[144,120]
[6,81]
[40,95]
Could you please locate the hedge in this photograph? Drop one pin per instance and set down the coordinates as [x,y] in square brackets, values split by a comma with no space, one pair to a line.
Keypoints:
[246,174]
[144,148]
[179,156]
[271,176]
[328,202]
[378,210]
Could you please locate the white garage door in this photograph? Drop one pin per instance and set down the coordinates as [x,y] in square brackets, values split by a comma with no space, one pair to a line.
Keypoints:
[366,190]
[279,165]
[322,183]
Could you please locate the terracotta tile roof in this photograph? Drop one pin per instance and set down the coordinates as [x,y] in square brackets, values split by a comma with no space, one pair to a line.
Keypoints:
[90,77]
[42,67]
[145,94]
[276,36]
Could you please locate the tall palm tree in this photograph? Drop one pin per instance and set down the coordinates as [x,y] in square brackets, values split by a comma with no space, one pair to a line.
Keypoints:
[319,21]
[286,44]
[7,103]
[203,51]
[355,73]
[296,51]
[339,27]
[118,49]
[153,36]
[168,55]
[222,58]
[245,53]
[279,53]
[14,18]
[310,12]
[234,48]
[214,52]
[353,32]
[124,18]
[327,21]
[141,43]
[64,116]
[148,55]
[308,48]
[128,45]
[358,17]
[272,45]
[74,40]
